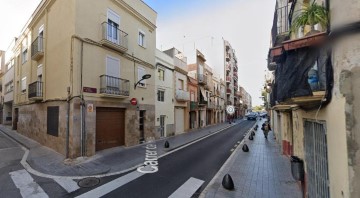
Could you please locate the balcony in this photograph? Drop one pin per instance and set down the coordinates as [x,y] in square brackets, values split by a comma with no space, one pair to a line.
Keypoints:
[182,96]
[235,74]
[37,48]
[211,105]
[228,79]
[235,88]
[228,56]
[311,40]
[202,79]
[228,67]
[193,106]
[35,91]
[114,87]
[114,38]
[228,91]
[202,102]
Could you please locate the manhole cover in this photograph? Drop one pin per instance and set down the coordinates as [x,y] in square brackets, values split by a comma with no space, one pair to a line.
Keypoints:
[89,182]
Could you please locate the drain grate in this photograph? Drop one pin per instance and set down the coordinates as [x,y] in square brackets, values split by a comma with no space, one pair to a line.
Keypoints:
[88,182]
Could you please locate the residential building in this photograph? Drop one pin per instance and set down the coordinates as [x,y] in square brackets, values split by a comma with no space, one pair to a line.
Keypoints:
[231,77]
[164,94]
[8,82]
[314,100]
[182,95]
[218,93]
[199,71]
[2,69]
[193,104]
[73,85]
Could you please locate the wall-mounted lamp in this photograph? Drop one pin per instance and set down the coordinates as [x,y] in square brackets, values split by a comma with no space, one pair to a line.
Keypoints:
[146,76]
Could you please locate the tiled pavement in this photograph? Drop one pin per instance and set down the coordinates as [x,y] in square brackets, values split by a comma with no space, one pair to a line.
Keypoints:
[261,172]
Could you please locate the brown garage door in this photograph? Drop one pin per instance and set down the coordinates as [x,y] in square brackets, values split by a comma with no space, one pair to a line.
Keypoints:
[110,127]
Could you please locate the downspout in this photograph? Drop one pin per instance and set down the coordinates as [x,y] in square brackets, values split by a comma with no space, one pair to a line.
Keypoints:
[82,103]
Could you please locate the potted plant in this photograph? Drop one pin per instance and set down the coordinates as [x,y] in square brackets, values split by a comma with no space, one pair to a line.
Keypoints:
[311,15]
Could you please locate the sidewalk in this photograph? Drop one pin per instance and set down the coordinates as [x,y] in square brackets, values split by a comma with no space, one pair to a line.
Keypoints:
[261,172]
[110,161]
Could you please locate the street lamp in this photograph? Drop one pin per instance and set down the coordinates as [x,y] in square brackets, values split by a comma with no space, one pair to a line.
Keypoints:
[146,76]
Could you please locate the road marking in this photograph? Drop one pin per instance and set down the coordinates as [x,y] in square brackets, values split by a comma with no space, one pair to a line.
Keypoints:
[26,184]
[235,145]
[232,150]
[68,184]
[108,187]
[238,142]
[187,189]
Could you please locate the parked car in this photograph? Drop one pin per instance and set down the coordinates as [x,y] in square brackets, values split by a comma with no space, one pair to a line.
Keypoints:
[251,116]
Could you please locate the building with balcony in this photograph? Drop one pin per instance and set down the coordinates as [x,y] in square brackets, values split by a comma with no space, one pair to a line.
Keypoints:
[8,80]
[231,76]
[313,96]
[182,94]
[74,84]
[193,104]
[203,73]
[164,96]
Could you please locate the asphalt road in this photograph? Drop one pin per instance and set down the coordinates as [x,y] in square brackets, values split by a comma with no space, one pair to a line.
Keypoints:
[201,160]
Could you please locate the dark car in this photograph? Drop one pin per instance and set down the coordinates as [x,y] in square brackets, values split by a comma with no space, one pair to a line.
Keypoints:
[251,116]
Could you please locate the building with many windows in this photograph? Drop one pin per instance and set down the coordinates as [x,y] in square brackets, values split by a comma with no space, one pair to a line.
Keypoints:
[73,85]
[231,77]
[164,81]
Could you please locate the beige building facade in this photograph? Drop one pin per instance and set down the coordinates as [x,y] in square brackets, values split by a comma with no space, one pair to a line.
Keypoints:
[73,85]
[321,128]
[164,94]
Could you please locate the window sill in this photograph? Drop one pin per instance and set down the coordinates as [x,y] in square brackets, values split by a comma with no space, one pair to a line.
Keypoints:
[142,46]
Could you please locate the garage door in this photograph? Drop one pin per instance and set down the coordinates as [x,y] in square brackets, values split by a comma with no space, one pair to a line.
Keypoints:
[179,121]
[110,128]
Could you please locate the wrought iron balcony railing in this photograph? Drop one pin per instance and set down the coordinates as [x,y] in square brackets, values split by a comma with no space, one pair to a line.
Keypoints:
[37,48]
[35,91]
[110,85]
[114,38]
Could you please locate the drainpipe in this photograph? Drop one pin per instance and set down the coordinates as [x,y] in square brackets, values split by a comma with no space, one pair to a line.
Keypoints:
[82,103]
[67,124]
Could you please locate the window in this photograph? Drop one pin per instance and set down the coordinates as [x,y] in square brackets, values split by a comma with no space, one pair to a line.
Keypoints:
[141,73]
[9,87]
[192,96]
[141,40]
[24,51]
[24,56]
[161,74]
[23,84]
[53,121]
[113,27]
[180,84]
[161,95]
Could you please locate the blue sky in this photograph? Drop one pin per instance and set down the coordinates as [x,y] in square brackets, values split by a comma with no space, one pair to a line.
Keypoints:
[202,24]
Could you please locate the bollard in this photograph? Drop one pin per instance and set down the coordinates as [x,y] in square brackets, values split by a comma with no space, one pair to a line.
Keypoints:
[245,148]
[253,133]
[227,182]
[166,145]
[251,137]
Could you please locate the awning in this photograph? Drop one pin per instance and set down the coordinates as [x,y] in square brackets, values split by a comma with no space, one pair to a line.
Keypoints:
[203,92]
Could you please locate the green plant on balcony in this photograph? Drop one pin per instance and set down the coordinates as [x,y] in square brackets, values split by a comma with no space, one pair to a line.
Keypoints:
[311,15]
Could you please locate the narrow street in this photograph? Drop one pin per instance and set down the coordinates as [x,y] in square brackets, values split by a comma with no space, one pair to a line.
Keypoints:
[201,160]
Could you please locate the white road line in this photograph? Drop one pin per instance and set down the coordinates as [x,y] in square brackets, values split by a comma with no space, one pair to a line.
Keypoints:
[108,187]
[26,184]
[68,184]
[187,189]
[232,150]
